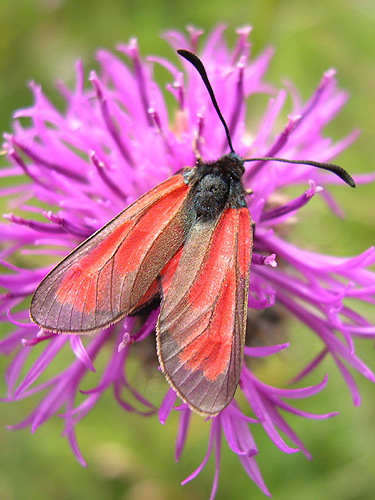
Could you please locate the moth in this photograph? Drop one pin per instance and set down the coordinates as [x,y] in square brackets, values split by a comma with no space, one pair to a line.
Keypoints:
[188,243]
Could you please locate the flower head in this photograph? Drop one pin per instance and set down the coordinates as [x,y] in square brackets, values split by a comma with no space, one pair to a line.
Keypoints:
[113,142]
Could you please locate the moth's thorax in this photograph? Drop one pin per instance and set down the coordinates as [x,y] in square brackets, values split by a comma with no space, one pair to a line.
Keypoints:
[215,186]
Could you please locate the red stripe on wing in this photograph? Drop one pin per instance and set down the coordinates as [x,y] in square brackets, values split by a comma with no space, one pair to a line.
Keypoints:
[165,277]
[168,271]
[210,351]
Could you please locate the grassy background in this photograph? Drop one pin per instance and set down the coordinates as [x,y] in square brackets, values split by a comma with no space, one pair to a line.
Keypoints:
[131,458]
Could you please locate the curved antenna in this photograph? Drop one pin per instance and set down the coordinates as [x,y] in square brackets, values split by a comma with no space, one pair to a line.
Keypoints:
[331,167]
[197,63]
[335,169]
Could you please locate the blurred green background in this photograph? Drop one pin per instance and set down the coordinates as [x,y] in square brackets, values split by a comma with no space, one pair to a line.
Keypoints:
[130,458]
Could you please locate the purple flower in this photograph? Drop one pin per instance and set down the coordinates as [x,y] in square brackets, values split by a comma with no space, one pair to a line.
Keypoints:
[115,141]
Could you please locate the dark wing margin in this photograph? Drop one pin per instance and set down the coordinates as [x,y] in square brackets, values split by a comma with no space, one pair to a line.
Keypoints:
[202,321]
[109,273]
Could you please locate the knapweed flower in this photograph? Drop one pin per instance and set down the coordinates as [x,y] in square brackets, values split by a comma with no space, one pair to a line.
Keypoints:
[114,141]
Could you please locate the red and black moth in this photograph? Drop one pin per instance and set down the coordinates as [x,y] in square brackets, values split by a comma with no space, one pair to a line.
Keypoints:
[187,243]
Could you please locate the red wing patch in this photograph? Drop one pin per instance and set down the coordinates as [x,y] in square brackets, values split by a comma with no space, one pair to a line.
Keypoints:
[201,327]
[165,277]
[107,275]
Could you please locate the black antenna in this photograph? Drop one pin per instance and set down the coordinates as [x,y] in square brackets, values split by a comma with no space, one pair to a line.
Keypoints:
[197,63]
[335,169]
[331,167]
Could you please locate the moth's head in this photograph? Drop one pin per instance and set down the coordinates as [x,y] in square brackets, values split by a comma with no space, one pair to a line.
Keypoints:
[232,165]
